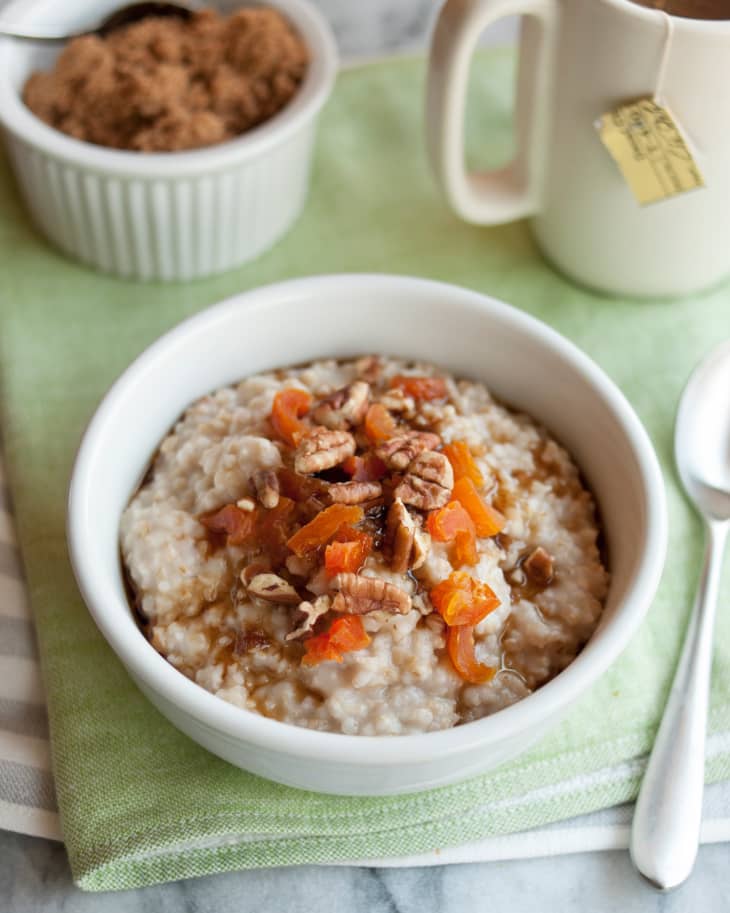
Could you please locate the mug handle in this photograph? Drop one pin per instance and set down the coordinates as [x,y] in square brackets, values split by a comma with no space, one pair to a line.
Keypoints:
[512,192]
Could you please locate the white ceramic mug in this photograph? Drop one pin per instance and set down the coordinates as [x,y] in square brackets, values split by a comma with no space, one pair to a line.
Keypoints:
[578,60]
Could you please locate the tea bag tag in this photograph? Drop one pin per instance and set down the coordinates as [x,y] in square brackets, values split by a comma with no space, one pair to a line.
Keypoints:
[653,156]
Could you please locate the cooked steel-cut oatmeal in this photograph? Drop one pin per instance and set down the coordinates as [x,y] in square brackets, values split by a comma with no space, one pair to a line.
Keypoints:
[368,547]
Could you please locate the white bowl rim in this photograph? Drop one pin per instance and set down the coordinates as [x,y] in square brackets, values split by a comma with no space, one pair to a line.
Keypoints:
[303,107]
[210,711]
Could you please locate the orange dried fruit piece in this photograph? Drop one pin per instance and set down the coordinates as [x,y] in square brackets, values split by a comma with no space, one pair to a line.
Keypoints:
[462,462]
[465,549]
[365,468]
[444,524]
[290,406]
[487,520]
[322,528]
[460,646]
[345,635]
[236,524]
[420,387]
[379,424]
[347,553]
[463,600]
[453,524]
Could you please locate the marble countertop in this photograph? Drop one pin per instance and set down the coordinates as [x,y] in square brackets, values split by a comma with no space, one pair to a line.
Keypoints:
[34,873]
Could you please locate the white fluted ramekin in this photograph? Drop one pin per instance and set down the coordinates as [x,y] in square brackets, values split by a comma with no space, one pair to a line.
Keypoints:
[524,362]
[167,216]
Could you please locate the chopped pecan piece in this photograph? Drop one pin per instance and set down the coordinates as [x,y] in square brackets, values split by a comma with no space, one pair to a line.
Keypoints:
[539,567]
[344,408]
[355,492]
[322,449]
[369,367]
[273,588]
[421,548]
[360,595]
[311,612]
[399,451]
[397,400]
[428,482]
[400,532]
[409,544]
[266,483]
[260,566]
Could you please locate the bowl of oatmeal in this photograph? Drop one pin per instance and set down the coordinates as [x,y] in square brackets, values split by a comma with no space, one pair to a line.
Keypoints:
[168,149]
[377,558]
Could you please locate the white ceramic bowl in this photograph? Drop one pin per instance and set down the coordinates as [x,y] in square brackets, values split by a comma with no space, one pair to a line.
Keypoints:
[524,362]
[173,215]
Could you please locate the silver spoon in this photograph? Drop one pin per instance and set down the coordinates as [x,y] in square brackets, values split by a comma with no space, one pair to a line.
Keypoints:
[666,827]
[125,15]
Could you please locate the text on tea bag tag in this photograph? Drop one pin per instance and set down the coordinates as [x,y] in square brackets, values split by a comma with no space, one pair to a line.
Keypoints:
[647,145]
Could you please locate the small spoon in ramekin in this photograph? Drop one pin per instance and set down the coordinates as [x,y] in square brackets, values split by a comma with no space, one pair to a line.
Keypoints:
[125,15]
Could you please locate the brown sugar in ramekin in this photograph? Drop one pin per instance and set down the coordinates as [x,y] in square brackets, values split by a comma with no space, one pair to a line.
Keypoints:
[165,85]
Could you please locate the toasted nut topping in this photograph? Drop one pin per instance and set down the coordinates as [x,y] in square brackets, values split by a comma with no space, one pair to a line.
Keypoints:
[344,408]
[401,450]
[266,483]
[360,595]
[397,400]
[257,567]
[273,588]
[369,367]
[400,532]
[540,567]
[322,449]
[433,467]
[355,492]
[421,548]
[408,542]
[311,612]
[428,482]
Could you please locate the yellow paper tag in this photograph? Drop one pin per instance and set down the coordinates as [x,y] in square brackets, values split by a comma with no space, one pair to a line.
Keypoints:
[650,151]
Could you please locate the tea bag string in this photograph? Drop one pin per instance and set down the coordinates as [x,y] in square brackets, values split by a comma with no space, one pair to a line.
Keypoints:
[664,60]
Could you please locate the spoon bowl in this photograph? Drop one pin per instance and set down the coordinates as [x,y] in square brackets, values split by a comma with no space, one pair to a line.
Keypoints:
[702,435]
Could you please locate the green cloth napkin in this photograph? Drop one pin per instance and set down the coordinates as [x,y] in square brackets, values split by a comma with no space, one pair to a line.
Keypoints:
[141,803]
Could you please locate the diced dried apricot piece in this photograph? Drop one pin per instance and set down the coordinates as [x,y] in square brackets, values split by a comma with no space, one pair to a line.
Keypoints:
[348,533]
[420,387]
[286,414]
[462,599]
[487,520]
[460,645]
[462,462]
[465,549]
[444,524]
[236,524]
[322,528]
[347,556]
[379,424]
[365,468]
[345,635]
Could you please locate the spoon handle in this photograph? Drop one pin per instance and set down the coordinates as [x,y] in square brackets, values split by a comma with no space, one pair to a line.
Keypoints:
[666,828]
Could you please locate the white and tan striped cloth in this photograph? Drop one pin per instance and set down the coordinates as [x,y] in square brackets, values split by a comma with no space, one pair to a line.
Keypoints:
[27,800]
